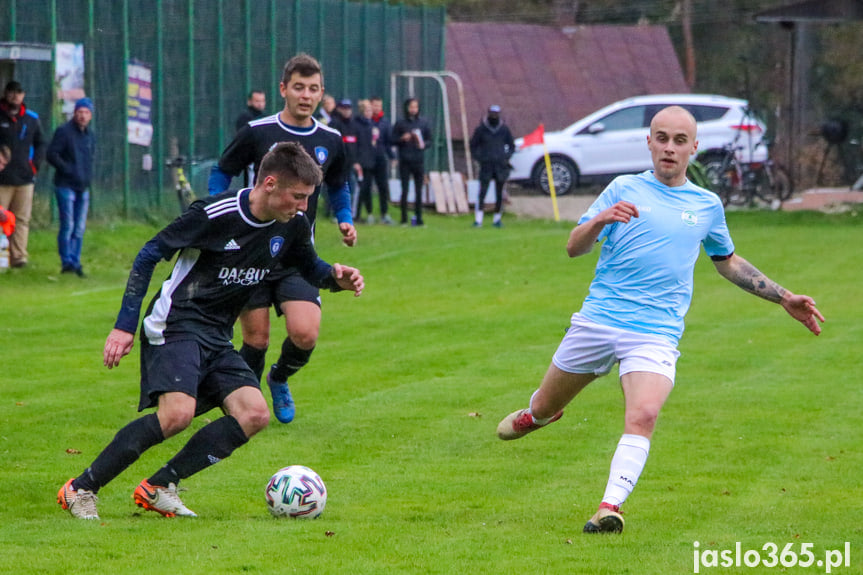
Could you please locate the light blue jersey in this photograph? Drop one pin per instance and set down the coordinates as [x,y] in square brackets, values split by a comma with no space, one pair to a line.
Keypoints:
[643,279]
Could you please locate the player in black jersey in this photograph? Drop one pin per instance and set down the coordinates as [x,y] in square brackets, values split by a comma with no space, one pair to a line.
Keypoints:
[227,245]
[302,87]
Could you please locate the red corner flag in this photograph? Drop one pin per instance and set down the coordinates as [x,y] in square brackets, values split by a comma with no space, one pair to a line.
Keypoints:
[535,137]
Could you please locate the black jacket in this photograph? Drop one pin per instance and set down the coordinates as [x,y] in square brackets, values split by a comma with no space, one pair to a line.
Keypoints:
[409,151]
[247,116]
[492,147]
[384,147]
[348,129]
[365,142]
[71,152]
[28,145]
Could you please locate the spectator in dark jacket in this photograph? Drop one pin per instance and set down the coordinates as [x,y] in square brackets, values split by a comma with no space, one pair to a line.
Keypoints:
[256,105]
[412,135]
[366,143]
[343,120]
[71,153]
[20,127]
[384,154]
[492,146]
[5,155]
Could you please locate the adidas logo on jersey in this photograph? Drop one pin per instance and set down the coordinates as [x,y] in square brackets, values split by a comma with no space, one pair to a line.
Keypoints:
[232,245]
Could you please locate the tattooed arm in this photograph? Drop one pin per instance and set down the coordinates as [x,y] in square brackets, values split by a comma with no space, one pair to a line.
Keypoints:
[747,277]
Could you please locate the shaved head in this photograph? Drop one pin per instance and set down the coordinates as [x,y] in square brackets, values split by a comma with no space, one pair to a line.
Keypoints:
[674,114]
[671,142]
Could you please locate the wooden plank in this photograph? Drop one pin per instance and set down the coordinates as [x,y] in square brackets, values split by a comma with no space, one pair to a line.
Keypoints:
[447,189]
[436,187]
[460,193]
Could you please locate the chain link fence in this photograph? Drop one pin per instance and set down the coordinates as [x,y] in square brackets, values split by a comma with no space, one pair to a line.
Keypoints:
[205,57]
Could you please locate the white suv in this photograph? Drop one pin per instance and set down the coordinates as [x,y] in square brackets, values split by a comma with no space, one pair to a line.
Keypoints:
[613,140]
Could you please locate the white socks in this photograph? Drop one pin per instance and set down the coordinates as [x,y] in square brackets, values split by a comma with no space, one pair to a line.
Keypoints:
[478,214]
[536,420]
[626,465]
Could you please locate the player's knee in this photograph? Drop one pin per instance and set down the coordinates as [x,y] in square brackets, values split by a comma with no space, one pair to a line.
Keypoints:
[641,421]
[256,328]
[173,421]
[258,339]
[305,338]
[254,419]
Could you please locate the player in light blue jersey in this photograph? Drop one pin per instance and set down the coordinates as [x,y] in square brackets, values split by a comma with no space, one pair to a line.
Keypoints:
[653,226]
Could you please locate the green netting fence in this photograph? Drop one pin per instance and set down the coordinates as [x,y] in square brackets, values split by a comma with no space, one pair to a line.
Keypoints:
[205,56]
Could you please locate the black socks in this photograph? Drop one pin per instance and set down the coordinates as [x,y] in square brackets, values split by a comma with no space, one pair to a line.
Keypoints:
[291,361]
[126,447]
[255,358]
[211,444]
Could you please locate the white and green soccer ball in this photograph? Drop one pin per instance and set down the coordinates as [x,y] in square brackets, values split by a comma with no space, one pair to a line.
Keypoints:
[296,491]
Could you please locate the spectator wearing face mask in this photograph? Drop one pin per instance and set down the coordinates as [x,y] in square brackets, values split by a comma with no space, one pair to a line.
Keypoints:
[492,146]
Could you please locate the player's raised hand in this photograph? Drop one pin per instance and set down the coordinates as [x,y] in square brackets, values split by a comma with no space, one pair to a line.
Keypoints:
[620,212]
[349,234]
[583,237]
[349,278]
[117,346]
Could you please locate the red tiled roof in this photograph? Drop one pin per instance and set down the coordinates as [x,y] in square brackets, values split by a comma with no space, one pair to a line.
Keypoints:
[555,76]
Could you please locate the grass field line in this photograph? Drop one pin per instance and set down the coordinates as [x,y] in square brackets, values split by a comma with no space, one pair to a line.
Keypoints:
[118,288]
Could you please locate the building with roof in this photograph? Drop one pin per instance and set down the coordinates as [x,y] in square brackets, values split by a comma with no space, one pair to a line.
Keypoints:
[551,75]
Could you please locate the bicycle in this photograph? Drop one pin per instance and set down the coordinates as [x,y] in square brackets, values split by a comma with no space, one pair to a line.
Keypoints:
[751,184]
[185,194]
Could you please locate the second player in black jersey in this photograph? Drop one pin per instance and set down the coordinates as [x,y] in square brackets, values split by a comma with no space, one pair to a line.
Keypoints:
[257,137]
[302,87]
[227,246]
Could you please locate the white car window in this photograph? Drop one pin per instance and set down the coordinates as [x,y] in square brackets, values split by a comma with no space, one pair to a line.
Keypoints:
[708,113]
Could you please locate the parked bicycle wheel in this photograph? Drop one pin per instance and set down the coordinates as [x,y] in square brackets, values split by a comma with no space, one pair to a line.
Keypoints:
[721,173]
[773,185]
[782,182]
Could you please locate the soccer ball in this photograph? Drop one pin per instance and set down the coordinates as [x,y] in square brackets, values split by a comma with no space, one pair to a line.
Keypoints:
[296,491]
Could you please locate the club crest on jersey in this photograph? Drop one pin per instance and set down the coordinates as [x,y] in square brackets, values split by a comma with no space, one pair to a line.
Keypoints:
[321,153]
[276,244]
[689,217]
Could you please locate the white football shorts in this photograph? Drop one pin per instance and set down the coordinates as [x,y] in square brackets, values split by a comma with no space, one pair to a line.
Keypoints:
[589,347]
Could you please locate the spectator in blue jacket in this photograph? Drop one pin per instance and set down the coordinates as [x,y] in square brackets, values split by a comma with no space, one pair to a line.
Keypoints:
[20,129]
[71,153]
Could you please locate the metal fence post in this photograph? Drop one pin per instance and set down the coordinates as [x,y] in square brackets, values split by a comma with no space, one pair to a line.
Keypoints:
[191,31]
[220,39]
[160,106]
[127,208]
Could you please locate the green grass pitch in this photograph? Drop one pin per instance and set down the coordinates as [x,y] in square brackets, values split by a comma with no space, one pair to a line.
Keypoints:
[759,442]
